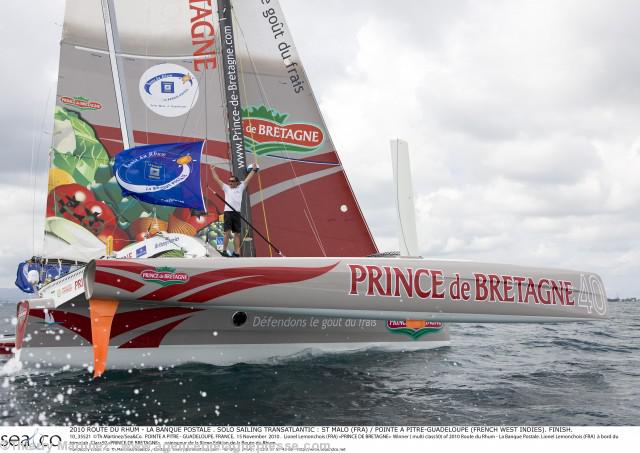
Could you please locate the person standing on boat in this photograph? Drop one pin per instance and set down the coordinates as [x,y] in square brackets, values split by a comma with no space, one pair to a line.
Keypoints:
[232,205]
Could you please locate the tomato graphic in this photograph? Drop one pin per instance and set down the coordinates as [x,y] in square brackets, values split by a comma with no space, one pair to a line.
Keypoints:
[76,203]
[197,221]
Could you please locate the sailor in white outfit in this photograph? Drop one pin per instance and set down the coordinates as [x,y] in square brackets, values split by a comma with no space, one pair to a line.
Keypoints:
[233,192]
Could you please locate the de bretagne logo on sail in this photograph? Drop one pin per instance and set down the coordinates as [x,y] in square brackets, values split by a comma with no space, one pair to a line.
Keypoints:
[168,89]
[266,131]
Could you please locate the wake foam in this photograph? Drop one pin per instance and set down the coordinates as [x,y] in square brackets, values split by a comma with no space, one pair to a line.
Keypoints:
[11,367]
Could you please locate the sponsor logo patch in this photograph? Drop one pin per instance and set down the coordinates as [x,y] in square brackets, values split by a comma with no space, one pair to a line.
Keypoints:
[81,103]
[414,328]
[169,89]
[164,276]
[266,131]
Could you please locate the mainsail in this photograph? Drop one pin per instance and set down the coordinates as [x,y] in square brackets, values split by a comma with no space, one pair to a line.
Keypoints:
[306,202]
[170,89]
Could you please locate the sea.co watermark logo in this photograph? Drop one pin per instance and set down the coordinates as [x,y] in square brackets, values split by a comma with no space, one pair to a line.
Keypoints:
[267,131]
[18,442]
[164,276]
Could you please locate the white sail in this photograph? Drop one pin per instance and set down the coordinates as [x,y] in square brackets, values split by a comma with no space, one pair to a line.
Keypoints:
[403,196]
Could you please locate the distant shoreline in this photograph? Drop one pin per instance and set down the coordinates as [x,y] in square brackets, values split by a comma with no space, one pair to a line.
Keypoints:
[11,294]
[624,299]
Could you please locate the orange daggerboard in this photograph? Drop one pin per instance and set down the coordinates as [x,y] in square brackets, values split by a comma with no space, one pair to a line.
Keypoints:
[101,312]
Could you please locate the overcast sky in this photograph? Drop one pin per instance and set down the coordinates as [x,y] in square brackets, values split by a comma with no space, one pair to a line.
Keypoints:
[522,117]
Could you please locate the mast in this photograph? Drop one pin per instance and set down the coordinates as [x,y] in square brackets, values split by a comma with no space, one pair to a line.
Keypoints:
[234,115]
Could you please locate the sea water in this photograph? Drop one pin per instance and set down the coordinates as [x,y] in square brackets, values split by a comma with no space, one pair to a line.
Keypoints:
[585,373]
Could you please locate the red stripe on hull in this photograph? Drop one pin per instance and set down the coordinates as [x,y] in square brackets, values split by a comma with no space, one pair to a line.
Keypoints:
[126,266]
[256,277]
[130,320]
[214,276]
[74,322]
[122,322]
[153,338]
[118,281]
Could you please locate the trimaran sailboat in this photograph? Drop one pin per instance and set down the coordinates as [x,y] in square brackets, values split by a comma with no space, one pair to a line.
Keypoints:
[132,283]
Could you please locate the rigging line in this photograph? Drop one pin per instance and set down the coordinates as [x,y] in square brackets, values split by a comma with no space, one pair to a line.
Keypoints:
[264,209]
[204,75]
[34,161]
[304,161]
[193,100]
[315,232]
[246,235]
[253,145]
[31,180]
[284,145]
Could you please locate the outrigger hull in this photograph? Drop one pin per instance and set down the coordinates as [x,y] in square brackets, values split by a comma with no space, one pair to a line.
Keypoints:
[210,336]
[152,335]
[223,311]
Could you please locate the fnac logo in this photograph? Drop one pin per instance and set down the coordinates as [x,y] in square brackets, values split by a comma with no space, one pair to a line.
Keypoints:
[414,328]
[164,276]
[266,132]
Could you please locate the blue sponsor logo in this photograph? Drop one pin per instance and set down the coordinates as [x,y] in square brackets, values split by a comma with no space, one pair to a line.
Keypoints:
[167,87]
[154,171]
[165,84]
[141,251]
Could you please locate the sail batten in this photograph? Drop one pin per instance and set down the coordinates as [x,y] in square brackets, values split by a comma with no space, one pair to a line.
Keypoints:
[143,56]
